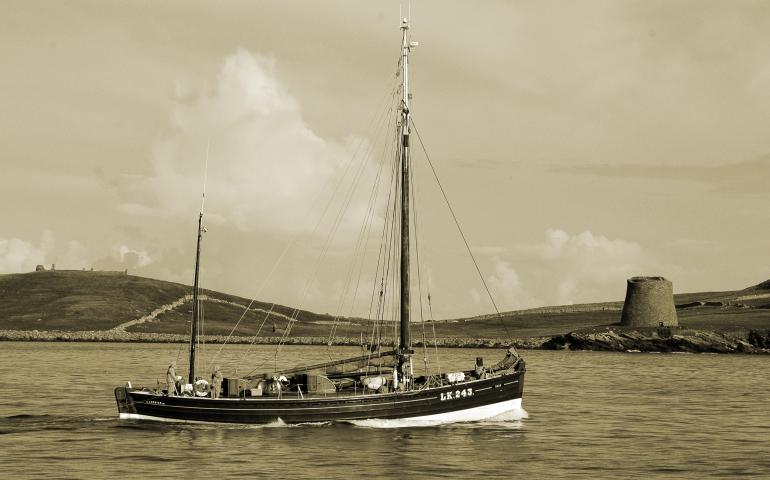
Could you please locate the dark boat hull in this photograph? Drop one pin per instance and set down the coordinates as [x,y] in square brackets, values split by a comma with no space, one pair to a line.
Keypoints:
[466,401]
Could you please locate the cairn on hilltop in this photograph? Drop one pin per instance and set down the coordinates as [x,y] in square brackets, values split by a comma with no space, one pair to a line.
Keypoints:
[649,303]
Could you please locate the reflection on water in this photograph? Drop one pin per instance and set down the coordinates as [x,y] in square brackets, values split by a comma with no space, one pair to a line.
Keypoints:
[591,415]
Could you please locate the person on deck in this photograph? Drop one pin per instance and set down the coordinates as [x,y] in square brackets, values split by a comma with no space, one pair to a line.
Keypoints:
[171,379]
[216,382]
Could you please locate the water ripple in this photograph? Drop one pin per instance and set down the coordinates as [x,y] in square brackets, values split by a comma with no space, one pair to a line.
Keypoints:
[591,415]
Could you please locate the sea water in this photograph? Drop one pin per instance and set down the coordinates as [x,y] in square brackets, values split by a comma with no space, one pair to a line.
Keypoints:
[585,415]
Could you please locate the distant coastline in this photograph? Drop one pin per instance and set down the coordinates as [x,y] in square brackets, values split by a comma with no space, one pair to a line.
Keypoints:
[146,337]
[658,340]
[86,306]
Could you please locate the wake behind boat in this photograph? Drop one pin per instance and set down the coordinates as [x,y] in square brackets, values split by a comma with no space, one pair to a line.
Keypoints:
[377,385]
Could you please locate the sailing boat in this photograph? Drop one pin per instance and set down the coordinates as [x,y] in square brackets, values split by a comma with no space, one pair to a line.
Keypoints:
[378,385]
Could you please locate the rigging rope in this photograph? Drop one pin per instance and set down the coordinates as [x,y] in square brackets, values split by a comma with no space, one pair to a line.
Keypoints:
[202,334]
[465,241]
[362,241]
[386,155]
[413,198]
[433,327]
[381,256]
[254,339]
[297,235]
[367,226]
[330,237]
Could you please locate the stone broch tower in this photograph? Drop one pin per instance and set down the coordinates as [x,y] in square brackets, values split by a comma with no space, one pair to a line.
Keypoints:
[649,303]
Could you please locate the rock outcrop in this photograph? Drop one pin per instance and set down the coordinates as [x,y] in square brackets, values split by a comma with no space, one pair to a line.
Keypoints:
[662,340]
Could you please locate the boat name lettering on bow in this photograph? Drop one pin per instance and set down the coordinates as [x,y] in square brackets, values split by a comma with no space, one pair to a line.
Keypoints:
[466,392]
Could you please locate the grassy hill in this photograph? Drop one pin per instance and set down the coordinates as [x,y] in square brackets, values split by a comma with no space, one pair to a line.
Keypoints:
[73,300]
[85,300]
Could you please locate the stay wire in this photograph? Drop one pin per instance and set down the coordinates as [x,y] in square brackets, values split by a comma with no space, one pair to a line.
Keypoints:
[335,226]
[360,249]
[387,152]
[413,198]
[385,251]
[297,235]
[330,237]
[383,245]
[256,335]
[459,229]
[387,278]
[386,155]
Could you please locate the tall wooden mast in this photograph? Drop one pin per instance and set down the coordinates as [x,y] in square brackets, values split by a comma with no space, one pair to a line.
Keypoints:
[405,341]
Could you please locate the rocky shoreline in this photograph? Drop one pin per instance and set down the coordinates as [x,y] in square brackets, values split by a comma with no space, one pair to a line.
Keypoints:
[609,339]
[663,340]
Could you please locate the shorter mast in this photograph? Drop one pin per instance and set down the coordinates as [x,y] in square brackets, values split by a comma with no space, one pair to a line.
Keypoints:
[196,281]
[195,309]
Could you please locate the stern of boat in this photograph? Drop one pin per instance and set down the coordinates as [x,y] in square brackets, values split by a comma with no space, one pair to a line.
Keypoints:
[126,405]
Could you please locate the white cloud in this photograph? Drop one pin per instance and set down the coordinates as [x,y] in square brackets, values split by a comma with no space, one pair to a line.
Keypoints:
[568,268]
[506,288]
[266,168]
[18,256]
[136,260]
[588,267]
[139,258]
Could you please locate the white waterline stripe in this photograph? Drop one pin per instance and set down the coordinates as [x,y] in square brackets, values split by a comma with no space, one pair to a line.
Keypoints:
[473,414]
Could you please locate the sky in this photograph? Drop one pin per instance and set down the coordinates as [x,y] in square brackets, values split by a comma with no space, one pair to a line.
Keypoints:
[580,143]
